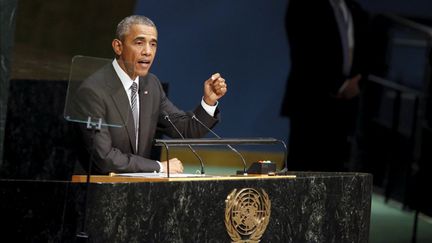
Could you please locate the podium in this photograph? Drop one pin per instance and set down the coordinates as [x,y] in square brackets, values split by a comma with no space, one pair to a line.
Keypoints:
[300,207]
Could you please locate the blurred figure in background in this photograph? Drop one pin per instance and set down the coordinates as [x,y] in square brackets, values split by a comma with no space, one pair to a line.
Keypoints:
[328,50]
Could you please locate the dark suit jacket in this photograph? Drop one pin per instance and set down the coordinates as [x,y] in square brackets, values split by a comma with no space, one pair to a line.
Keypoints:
[316,54]
[102,96]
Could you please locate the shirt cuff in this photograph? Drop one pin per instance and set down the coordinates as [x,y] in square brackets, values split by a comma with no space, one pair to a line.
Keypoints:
[209,108]
[160,167]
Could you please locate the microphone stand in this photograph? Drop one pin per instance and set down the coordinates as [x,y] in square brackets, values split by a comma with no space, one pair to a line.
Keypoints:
[228,145]
[166,117]
[214,141]
[83,236]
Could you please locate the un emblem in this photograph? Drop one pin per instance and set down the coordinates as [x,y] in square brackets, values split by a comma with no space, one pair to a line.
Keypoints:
[247,214]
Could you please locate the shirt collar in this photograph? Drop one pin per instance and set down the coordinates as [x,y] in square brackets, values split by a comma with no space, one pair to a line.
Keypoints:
[124,77]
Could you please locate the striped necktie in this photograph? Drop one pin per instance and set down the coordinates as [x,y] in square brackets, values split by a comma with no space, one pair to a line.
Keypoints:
[134,106]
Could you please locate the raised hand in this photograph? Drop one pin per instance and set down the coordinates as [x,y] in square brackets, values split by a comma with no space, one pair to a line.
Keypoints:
[214,88]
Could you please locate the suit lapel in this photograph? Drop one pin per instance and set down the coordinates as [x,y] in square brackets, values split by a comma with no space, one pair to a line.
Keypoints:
[121,101]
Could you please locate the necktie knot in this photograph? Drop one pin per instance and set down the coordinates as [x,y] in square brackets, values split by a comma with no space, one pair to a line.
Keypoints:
[134,87]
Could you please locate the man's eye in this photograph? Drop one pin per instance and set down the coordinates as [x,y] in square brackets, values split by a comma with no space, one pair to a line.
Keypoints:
[139,43]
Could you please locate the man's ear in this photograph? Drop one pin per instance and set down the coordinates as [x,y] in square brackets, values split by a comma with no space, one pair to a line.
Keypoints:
[117,46]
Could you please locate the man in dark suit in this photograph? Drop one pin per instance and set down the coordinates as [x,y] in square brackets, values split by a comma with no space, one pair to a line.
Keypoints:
[328,46]
[129,98]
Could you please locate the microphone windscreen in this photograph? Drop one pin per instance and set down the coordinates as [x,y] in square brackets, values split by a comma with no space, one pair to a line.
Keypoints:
[190,114]
[165,115]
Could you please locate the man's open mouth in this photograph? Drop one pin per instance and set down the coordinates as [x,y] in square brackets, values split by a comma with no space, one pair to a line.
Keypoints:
[144,62]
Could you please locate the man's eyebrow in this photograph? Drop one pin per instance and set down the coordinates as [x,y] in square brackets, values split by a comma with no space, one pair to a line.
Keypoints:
[143,38]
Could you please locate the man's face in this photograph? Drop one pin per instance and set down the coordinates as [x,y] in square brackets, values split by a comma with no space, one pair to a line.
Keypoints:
[137,50]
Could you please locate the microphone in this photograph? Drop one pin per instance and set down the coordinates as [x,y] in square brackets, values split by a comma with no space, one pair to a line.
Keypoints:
[166,117]
[192,115]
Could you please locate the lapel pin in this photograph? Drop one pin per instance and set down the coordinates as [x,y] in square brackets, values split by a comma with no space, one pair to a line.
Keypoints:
[145,92]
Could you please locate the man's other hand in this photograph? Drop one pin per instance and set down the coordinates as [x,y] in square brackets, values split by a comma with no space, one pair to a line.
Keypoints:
[350,88]
[175,166]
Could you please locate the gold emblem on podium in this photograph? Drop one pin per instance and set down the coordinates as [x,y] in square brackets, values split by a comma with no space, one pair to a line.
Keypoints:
[247,214]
